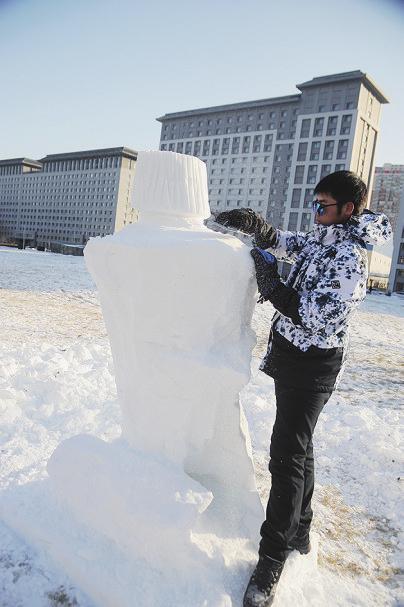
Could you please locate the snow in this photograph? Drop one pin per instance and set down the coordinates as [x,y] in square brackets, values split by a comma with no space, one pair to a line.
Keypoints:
[182,469]
[57,382]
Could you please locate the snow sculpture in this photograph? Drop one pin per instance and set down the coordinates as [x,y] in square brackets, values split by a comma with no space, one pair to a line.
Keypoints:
[177,300]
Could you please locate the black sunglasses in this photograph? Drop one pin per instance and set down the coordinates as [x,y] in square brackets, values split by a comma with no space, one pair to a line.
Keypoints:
[319,208]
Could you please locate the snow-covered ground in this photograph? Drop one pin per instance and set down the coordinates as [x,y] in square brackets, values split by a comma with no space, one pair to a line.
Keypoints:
[57,380]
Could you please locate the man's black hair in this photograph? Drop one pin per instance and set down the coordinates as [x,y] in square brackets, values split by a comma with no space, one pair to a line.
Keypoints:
[344,186]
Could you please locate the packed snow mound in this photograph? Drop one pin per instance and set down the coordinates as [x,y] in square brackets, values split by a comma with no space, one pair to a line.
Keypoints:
[183,467]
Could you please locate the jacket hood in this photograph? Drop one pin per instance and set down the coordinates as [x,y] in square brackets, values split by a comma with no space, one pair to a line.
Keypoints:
[367,228]
[371,228]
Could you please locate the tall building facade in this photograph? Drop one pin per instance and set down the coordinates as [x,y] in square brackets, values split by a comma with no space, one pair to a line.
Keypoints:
[66,198]
[396,279]
[269,154]
[387,189]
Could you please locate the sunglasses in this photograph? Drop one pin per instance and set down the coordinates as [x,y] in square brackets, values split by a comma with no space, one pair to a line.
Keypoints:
[320,209]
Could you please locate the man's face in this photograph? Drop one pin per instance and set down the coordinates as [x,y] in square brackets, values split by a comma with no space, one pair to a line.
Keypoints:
[332,213]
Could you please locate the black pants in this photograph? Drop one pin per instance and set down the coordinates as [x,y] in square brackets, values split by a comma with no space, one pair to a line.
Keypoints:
[291,465]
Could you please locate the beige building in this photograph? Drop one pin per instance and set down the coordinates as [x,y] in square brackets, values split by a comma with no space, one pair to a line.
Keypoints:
[387,189]
[268,154]
[396,279]
[64,199]
[379,269]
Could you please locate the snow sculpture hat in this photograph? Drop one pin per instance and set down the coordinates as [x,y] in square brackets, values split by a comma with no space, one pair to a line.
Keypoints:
[167,183]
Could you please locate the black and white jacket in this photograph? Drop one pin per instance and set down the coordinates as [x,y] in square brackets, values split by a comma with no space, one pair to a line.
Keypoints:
[327,281]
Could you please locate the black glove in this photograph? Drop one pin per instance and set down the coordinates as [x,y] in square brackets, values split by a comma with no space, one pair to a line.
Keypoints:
[249,222]
[285,299]
[266,269]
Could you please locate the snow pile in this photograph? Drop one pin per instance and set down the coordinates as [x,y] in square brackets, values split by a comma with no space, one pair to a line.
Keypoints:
[57,381]
[182,470]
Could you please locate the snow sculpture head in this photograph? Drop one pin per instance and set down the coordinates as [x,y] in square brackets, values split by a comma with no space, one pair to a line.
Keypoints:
[170,184]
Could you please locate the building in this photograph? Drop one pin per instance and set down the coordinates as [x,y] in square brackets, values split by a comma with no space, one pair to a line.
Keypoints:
[269,154]
[396,278]
[387,189]
[379,268]
[64,199]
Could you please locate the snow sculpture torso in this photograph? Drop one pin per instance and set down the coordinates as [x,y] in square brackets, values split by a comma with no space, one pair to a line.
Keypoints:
[177,300]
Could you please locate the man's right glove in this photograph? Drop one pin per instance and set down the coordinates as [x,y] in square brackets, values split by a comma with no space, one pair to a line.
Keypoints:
[285,299]
[249,222]
[266,270]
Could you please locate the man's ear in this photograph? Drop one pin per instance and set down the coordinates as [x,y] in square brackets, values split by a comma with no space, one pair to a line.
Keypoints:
[349,208]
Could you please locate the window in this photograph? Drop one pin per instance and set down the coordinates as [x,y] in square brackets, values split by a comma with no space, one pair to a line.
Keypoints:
[305,129]
[302,151]
[296,193]
[268,143]
[235,145]
[225,145]
[312,173]
[215,148]
[318,127]
[346,124]
[299,172]
[315,150]
[335,107]
[257,143]
[332,125]
[246,144]
[325,170]
[206,147]
[308,198]
[180,147]
[197,148]
[349,105]
[305,222]
[328,150]
[339,167]
[293,221]
[342,149]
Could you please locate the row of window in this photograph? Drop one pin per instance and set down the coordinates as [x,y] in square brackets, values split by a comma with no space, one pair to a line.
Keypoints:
[312,170]
[33,180]
[328,150]
[332,125]
[209,122]
[226,145]
[229,119]
[79,164]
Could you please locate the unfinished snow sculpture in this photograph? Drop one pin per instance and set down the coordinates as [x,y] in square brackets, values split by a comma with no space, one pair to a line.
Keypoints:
[177,300]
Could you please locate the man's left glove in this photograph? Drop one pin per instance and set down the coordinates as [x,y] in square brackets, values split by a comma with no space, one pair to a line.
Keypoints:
[249,222]
[266,269]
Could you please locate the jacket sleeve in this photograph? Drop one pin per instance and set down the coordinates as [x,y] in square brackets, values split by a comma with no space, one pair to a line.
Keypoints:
[288,245]
[337,294]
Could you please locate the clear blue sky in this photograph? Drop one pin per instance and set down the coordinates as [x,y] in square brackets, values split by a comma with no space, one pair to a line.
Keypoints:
[82,74]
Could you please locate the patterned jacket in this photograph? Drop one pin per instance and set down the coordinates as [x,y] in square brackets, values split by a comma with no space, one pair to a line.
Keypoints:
[329,275]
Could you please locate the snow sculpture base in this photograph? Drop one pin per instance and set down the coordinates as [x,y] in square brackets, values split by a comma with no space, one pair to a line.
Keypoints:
[147,506]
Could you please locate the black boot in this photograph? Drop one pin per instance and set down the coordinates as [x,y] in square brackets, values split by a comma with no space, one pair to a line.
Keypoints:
[301,541]
[262,585]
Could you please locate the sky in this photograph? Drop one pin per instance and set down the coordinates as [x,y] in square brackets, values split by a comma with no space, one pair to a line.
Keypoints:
[85,74]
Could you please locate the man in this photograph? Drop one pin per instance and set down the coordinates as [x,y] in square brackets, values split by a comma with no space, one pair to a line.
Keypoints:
[306,348]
